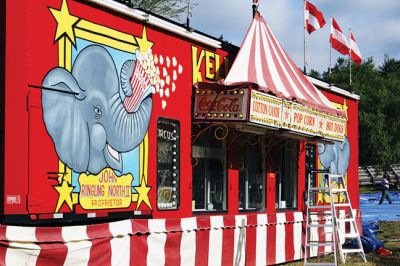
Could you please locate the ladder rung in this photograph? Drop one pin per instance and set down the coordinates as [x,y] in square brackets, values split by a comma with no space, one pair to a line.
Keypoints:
[319,189]
[342,204]
[354,250]
[319,207]
[320,244]
[320,225]
[335,190]
[345,220]
[351,235]
[320,213]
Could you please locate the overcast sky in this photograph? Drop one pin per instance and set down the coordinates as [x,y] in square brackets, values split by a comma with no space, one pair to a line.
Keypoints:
[375,25]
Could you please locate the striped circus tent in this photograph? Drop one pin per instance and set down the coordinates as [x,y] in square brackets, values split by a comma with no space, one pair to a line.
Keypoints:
[262,61]
[257,239]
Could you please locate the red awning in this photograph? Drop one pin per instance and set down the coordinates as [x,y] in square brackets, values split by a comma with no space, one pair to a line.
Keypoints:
[262,60]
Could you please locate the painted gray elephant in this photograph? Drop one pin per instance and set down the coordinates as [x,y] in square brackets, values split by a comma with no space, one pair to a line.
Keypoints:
[85,115]
[335,156]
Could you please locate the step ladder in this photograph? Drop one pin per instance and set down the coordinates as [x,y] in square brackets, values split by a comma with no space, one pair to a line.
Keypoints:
[331,209]
[345,219]
[320,217]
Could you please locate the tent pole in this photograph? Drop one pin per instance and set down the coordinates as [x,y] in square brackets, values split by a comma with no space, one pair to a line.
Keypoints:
[304,38]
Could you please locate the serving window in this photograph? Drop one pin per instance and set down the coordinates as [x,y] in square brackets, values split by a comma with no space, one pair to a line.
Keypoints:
[251,173]
[286,178]
[168,171]
[209,169]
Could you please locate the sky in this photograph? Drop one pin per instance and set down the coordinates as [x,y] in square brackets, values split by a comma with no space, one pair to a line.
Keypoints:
[375,25]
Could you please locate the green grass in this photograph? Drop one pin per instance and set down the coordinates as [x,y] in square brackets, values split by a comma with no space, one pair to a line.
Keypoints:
[389,233]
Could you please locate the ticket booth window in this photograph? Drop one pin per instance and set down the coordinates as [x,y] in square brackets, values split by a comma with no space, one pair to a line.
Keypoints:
[209,172]
[168,170]
[252,175]
[286,178]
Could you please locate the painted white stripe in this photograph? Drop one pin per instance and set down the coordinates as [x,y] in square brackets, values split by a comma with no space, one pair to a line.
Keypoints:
[76,239]
[120,228]
[304,86]
[297,234]
[22,253]
[300,81]
[236,73]
[271,37]
[261,240]
[120,250]
[280,238]
[188,241]
[239,248]
[328,232]
[215,242]
[271,64]
[342,226]
[156,242]
[260,71]
[78,253]
[120,243]
[74,233]
[313,236]
[21,233]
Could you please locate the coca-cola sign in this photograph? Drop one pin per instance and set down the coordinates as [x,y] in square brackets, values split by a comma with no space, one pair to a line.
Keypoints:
[223,105]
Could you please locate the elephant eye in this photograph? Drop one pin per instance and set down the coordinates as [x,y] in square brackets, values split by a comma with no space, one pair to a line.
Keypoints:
[97,111]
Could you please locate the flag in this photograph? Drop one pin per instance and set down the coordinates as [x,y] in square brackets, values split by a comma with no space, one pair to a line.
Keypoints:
[338,40]
[314,18]
[354,51]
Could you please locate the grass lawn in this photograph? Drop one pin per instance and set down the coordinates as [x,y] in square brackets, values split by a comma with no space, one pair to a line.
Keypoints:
[389,232]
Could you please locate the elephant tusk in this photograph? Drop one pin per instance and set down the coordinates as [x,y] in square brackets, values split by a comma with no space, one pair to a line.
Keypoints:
[113,152]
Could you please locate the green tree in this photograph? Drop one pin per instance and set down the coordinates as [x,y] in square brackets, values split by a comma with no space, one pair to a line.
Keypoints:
[172,9]
[379,108]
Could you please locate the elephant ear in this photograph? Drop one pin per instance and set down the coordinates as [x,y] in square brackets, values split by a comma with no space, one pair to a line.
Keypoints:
[126,74]
[325,154]
[61,97]
[343,156]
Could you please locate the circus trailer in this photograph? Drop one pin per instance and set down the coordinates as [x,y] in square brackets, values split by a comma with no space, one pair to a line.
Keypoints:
[132,134]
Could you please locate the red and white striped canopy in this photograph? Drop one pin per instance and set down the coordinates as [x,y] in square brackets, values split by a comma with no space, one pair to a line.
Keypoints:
[263,61]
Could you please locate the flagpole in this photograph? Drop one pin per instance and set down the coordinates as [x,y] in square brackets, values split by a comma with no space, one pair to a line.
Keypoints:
[350,59]
[304,36]
[330,57]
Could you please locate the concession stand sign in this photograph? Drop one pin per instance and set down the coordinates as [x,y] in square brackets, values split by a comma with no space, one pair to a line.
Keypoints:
[269,111]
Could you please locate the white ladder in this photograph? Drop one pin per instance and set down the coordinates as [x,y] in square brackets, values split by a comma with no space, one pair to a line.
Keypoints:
[344,218]
[317,210]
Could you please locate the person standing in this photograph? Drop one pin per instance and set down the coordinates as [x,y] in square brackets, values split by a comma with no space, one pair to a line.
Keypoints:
[385,189]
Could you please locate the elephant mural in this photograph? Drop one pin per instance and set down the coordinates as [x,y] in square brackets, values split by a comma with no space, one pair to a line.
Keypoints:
[84,113]
[335,156]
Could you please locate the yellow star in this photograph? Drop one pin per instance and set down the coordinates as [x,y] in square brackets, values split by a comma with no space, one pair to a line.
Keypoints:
[143,194]
[144,44]
[65,195]
[65,22]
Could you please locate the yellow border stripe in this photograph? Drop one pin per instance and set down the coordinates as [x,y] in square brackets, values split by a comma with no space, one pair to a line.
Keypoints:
[93,37]
[61,49]
[111,33]
[68,55]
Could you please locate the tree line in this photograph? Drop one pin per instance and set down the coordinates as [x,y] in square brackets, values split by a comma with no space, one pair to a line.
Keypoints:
[379,107]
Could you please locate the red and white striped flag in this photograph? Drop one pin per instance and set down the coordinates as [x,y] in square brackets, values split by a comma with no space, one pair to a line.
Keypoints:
[314,19]
[338,39]
[354,51]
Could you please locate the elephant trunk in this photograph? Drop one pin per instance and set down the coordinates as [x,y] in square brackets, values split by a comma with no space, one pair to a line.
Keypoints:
[129,128]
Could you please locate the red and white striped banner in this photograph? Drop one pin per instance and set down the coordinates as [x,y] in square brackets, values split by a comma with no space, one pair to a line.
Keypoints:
[261,239]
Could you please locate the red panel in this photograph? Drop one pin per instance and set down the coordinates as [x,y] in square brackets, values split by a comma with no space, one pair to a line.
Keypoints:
[271,192]
[301,183]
